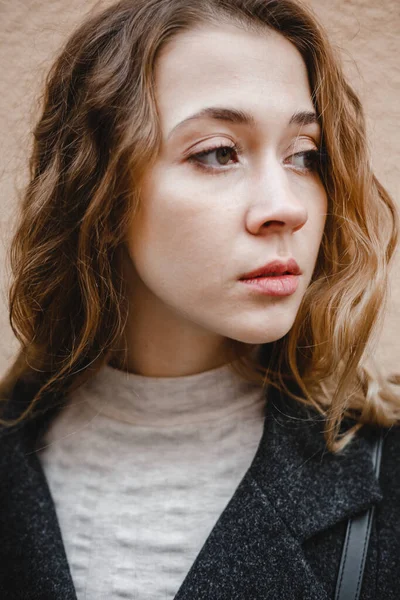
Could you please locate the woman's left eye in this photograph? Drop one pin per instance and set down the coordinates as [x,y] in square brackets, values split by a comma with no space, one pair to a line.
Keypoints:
[307,160]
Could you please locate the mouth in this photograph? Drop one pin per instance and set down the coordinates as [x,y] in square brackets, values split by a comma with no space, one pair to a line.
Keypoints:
[275,268]
[271,275]
[284,284]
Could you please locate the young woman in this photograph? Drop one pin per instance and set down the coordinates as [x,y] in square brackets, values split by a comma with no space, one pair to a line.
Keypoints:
[200,261]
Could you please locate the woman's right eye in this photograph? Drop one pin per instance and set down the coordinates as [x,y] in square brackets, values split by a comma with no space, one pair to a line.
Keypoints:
[222,152]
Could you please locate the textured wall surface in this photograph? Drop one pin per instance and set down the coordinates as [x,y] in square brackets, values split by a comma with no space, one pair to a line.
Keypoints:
[366,32]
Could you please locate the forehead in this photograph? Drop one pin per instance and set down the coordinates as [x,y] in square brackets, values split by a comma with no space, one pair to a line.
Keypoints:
[207,65]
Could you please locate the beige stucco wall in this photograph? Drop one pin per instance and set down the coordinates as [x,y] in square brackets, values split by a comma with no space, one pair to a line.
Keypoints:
[30,32]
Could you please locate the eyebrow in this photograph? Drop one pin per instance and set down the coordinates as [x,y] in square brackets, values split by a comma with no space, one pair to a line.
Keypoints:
[241,117]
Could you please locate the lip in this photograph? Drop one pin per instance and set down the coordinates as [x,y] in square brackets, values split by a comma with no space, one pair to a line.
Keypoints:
[289,267]
[285,285]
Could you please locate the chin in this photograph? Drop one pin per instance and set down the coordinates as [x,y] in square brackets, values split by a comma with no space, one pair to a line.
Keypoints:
[263,335]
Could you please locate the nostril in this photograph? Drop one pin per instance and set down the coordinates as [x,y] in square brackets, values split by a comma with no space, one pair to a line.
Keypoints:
[269,223]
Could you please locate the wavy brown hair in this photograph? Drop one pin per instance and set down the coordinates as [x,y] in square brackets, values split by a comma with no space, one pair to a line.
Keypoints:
[99,132]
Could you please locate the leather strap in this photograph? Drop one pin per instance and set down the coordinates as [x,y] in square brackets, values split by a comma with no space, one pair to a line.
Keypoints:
[351,571]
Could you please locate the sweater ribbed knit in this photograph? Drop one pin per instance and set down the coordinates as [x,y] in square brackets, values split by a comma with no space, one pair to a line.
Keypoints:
[140,469]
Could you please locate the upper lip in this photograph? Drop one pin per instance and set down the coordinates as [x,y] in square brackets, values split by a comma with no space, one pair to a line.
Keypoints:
[290,267]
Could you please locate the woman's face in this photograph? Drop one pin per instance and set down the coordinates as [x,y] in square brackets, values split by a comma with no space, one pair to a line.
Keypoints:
[206,221]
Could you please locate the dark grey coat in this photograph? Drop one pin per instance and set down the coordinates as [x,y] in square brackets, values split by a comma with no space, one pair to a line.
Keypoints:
[280,536]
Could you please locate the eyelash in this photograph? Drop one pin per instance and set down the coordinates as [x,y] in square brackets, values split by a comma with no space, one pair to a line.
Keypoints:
[315,155]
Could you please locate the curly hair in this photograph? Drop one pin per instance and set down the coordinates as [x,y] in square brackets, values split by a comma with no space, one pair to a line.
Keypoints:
[97,135]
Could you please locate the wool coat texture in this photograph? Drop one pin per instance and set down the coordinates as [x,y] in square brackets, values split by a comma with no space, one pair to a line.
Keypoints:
[279,537]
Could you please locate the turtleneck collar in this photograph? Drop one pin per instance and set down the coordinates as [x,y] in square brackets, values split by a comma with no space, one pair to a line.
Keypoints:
[166,401]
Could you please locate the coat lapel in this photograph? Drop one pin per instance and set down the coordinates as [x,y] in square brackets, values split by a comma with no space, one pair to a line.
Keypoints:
[293,490]
[32,555]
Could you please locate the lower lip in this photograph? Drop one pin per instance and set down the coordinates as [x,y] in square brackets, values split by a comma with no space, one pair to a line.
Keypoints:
[274,285]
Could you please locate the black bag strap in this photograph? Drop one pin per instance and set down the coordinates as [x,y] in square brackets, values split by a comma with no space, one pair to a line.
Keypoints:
[351,571]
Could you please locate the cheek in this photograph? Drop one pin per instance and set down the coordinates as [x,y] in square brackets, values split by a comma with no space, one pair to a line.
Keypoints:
[323,213]
[317,211]
[173,239]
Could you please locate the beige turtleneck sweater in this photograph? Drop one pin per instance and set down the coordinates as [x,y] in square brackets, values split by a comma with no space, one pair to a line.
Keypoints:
[140,469]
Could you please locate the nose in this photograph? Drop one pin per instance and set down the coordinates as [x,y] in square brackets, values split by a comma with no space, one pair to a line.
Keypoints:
[278,206]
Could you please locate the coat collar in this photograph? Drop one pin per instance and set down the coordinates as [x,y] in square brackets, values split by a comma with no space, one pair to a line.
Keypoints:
[311,488]
[293,490]
[32,554]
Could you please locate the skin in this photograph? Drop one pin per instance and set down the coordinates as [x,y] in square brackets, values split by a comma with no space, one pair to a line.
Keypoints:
[197,232]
